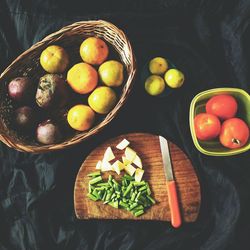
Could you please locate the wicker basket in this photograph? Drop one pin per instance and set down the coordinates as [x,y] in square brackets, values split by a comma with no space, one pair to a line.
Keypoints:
[70,37]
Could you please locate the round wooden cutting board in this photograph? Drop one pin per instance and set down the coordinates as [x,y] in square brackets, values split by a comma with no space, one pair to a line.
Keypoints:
[147,147]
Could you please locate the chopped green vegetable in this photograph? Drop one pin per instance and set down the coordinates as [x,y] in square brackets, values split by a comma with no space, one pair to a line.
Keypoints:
[128,194]
[138,213]
[95,180]
[94,174]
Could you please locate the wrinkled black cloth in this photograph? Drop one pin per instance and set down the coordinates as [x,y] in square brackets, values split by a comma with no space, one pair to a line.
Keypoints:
[210,42]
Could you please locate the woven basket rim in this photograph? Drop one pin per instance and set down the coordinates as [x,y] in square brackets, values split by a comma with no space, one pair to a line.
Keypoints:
[53,37]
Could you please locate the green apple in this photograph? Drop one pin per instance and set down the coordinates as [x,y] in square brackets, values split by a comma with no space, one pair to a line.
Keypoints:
[158,66]
[154,85]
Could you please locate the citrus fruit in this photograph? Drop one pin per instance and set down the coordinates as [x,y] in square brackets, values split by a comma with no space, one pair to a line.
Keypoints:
[81,117]
[174,78]
[154,85]
[111,73]
[158,65]
[54,59]
[82,78]
[94,50]
[102,99]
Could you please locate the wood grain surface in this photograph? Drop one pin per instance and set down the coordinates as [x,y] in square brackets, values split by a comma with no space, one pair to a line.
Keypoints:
[148,148]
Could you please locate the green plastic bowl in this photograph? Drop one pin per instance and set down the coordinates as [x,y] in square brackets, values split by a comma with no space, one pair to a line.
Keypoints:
[213,147]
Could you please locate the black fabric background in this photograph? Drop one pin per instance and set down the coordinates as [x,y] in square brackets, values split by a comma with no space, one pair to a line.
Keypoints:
[210,43]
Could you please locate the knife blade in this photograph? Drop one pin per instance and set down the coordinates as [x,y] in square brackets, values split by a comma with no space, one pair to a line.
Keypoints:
[171,185]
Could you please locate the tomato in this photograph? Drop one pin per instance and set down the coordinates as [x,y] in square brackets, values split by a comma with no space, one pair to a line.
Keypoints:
[234,133]
[223,106]
[206,126]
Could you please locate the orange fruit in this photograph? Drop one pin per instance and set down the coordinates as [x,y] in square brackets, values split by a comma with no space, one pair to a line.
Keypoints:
[81,117]
[94,50]
[82,78]
[54,59]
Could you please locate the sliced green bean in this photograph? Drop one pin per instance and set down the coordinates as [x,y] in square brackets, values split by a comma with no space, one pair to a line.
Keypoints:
[95,180]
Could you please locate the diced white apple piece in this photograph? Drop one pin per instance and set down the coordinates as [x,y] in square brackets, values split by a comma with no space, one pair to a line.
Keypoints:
[137,161]
[118,167]
[108,155]
[138,174]
[123,144]
[130,169]
[130,154]
[106,166]
[125,161]
[99,165]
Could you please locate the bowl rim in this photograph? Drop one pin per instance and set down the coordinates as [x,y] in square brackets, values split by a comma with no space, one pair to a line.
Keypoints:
[191,122]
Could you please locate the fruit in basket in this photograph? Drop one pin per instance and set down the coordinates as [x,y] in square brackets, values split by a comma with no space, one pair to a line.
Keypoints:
[51,91]
[82,78]
[207,126]
[234,133]
[94,50]
[54,59]
[111,73]
[154,85]
[25,118]
[223,106]
[102,99]
[48,133]
[174,78]
[21,89]
[158,66]
[81,117]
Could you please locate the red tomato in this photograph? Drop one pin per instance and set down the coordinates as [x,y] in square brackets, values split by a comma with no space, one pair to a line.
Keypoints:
[234,133]
[223,106]
[206,126]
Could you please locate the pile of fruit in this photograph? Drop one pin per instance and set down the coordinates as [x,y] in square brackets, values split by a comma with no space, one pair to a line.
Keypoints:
[232,133]
[83,90]
[159,68]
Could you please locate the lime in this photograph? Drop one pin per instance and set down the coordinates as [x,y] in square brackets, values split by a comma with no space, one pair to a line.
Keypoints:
[174,78]
[154,85]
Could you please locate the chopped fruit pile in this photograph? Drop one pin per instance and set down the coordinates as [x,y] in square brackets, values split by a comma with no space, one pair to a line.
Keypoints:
[132,193]
[131,162]
[129,194]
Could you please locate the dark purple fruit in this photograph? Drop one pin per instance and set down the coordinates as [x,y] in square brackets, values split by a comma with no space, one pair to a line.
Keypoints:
[48,133]
[25,118]
[21,89]
[51,92]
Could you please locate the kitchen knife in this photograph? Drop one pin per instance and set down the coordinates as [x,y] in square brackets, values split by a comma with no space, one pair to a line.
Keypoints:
[171,185]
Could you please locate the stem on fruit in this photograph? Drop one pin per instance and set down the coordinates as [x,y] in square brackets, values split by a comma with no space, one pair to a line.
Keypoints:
[236,141]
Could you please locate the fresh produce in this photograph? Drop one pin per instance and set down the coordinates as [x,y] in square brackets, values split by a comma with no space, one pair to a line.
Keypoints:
[207,126]
[130,160]
[129,194]
[51,92]
[158,66]
[54,59]
[154,85]
[111,73]
[234,133]
[21,89]
[57,97]
[94,51]
[48,133]
[25,118]
[174,78]
[82,78]
[102,99]
[223,106]
[81,117]
[123,144]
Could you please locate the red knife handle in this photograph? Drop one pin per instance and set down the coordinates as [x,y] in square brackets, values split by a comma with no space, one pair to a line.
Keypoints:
[173,204]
